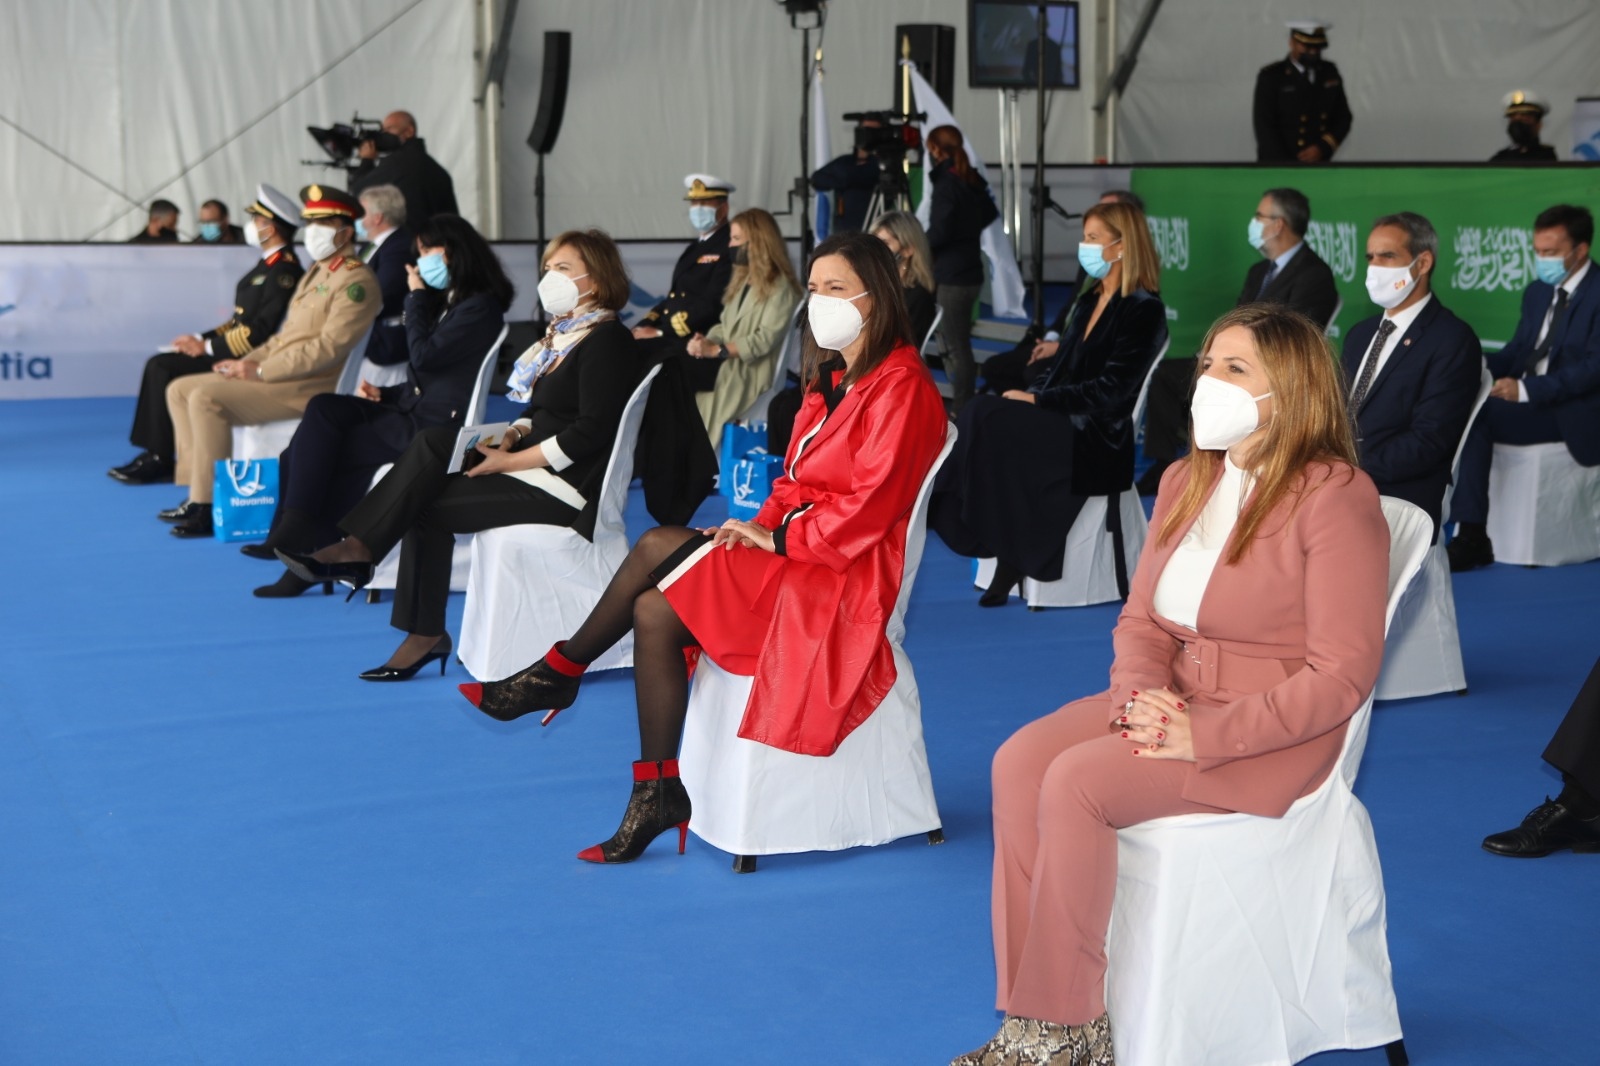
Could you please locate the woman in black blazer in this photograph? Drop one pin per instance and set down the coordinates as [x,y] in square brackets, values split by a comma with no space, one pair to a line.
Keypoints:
[1025,461]
[453,313]
[961,210]
[547,468]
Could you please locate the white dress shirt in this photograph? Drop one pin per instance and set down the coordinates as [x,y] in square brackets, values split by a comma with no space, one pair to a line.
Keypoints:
[1183,580]
[1402,321]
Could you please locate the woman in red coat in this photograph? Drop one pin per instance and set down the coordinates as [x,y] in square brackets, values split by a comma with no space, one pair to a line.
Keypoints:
[1253,632]
[800,597]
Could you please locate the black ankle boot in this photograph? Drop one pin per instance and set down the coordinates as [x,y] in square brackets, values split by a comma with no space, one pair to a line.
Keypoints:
[1006,578]
[658,803]
[550,685]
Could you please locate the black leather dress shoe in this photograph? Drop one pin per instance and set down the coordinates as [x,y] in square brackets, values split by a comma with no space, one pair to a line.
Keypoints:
[1468,552]
[259,551]
[1549,827]
[197,524]
[145,469]
[182,511]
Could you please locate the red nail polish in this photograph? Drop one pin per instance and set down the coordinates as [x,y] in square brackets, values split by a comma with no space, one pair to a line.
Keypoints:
[1180,706]
[1135,692]
[1136,751]
[1124,734]
[1161,736]
[1123,720]
[1163,719]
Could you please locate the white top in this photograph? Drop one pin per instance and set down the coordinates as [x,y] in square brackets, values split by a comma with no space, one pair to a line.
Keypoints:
[1184,579]
[1402,322]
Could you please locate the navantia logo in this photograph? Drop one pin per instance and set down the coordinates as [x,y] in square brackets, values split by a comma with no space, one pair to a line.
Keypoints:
[1336,243]
[245,475]
[1493,258]
[15,366]
[1171,237]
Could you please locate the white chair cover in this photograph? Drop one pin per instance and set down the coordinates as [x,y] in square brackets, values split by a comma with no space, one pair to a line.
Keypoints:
[387,573]
[1089,569]
[754,799]
[1259,941]
[394,374]
[532,585]
[1422,656]
[1544,509]
[267,439]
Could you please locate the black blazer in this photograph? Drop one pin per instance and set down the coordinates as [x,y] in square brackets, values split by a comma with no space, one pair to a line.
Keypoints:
[957,218]
[1095,381]
[921,307]
[260,301]
[695,303]
[446,350]
[580,403]
[1305,285]
[1570,385]
[1291,113]
[1416,409]
[387,345]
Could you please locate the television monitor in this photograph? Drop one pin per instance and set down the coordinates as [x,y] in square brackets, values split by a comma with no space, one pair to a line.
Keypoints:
[1003,46]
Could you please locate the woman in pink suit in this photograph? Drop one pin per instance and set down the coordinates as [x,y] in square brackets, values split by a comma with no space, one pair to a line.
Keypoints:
[1252,633]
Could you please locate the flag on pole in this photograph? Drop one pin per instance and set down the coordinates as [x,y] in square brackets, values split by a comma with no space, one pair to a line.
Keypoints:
[1005,280]
[821,151]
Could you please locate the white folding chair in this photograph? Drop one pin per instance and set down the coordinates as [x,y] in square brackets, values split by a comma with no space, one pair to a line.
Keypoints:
[1544,509]
[933,330]
[532,585]
[1262,941]
[1092,571]
[1422,656]
[757,411]
[753,799]
[1330,329]
[267,439]
[387,573]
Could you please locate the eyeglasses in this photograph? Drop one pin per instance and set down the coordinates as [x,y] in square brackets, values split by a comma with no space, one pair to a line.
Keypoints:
[1266,218]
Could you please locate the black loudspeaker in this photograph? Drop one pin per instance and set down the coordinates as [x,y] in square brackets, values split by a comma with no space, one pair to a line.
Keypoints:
[552,91]
[933,50]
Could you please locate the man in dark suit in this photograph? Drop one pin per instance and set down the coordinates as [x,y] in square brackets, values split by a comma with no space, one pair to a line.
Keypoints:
[695,302]
[1572,819]
[162,227]
[1301,115]
[260,302]
[1412,372]
[1547,377]
[425,184]
[390,249]
[1525,113]
[1289,273]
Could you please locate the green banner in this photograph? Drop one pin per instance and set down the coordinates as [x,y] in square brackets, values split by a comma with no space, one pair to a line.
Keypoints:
[1484,216]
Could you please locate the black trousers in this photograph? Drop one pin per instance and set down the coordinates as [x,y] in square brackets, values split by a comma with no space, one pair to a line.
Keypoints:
[1011,370]
[421,508]
[152,425]
[1575,748]
[1166,415]
[328,466]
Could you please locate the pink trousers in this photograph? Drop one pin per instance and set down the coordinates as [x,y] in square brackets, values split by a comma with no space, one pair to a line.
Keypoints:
[1063,786]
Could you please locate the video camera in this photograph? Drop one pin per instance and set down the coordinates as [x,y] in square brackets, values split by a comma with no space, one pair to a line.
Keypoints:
[891,139]
[341,142]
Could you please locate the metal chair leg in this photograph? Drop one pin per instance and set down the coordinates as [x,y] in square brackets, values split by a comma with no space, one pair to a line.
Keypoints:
[1397,1053]
[936,836]
[374,596]
[744,864]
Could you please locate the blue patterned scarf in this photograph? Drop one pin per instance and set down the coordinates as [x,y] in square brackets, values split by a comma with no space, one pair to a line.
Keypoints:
[538,360]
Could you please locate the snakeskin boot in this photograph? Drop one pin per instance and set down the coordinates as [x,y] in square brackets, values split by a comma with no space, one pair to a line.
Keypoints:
[1028,1042]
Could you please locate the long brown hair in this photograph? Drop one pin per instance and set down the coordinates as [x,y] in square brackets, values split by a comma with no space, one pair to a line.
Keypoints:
[886,327]
[1310,423]
[766,264]
[953,147]
[1141,265]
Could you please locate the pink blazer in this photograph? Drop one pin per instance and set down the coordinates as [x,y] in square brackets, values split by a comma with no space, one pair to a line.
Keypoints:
[1288,646]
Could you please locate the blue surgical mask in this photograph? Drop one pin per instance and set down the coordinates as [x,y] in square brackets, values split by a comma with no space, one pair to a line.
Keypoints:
[211,231]
[1551,269]
[1256,234]
[703,218]
[361,231]
[435,272]
[1093,259]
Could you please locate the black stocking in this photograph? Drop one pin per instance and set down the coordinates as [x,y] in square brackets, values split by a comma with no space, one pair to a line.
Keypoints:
[612,617]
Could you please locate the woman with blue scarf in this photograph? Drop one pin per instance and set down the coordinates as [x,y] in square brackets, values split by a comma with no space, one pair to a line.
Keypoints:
[454,311]
[546,469]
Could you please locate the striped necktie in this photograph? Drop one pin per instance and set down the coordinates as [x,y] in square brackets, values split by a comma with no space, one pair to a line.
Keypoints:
[1368,370]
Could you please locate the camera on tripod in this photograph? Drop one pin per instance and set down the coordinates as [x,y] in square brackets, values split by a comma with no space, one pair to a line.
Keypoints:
[891,138]
[342,142]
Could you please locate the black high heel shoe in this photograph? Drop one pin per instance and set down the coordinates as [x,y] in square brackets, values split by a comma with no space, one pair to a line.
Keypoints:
[315,571]
[1005,579]
[441,651]
[659,802]
[549,685]
[288,586]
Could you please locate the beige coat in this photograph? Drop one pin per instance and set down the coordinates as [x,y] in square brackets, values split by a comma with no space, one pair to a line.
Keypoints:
[757,328]
[332,309]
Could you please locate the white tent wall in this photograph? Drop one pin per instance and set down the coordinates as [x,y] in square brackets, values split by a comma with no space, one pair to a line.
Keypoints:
[108,104]
[1425,78]
[663,88]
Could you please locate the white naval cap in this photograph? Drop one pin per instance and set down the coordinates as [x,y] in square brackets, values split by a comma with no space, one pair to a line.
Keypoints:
[270,201]
[1523,102]
[706,187]
[1313,32]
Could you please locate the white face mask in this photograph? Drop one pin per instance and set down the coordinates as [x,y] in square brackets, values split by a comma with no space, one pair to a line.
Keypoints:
[835,322]
[558,293]
[1389,286]
[321,241]
[1223,414]
[252,236]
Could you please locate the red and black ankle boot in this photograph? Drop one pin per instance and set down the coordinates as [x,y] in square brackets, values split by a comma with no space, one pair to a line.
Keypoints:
[658,803]
[550,685]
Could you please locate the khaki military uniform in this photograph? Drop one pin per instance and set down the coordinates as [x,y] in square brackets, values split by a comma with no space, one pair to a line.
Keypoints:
[331,310]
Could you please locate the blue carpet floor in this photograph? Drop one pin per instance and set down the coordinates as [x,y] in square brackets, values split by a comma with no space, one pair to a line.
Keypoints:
[217,846]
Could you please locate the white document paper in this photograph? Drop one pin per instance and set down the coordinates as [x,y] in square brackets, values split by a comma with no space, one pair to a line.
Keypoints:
[470,437]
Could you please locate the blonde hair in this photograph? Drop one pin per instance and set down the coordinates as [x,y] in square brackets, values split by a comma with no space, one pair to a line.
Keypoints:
[1141,266]
[1310,423]
[917,266]
[766,264]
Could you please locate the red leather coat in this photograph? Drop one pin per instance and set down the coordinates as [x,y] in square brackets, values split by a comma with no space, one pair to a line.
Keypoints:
[842,509]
